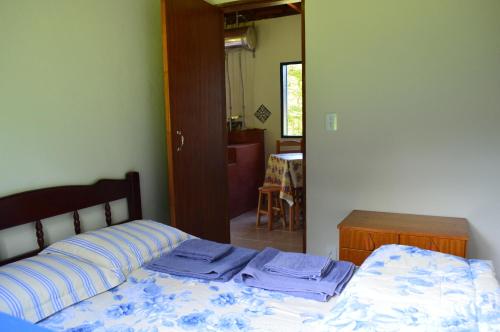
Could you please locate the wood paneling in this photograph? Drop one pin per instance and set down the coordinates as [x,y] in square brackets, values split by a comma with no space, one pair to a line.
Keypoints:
[195,117]
[449,246]
[364,231]
[242,5]
[408,223]
[365,240]
[354,255]
[261,13]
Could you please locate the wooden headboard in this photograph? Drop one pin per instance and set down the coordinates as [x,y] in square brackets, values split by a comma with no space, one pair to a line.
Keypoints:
[36,205]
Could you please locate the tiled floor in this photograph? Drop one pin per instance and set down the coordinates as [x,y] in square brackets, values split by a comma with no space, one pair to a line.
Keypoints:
[244,233]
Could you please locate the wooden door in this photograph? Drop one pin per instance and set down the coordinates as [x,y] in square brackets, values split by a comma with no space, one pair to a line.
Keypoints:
[193,47]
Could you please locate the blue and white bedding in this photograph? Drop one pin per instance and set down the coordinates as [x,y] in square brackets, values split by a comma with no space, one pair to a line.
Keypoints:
[401,288]
[34,288]
[398,288]
[152,301]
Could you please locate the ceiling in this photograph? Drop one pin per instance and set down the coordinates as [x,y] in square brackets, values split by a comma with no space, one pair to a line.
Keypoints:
[243,12]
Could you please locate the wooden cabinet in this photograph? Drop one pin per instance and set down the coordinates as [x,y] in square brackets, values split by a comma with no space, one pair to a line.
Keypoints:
[361,232]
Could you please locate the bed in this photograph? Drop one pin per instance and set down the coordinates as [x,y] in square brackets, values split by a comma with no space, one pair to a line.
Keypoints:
[398,288]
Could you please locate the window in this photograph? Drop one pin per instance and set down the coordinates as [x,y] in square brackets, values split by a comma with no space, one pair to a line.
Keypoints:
[291,99]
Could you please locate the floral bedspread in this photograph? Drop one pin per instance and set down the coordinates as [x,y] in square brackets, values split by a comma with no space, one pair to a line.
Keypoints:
[398,288]
[402,288]
[152,301]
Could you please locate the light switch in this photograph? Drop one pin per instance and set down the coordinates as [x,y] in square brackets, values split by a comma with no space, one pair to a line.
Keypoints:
[331,121]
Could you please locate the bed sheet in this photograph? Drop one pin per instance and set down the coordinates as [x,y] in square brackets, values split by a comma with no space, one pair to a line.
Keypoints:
[152,301]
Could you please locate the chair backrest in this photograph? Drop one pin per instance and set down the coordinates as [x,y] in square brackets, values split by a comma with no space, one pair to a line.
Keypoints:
[289,146]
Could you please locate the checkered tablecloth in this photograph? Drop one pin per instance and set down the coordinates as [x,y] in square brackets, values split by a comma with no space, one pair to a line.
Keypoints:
[285,170]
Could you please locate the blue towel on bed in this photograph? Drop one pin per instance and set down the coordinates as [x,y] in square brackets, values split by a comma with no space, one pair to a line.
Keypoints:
[321,290]
[203,250]
[222,269]
[298,265]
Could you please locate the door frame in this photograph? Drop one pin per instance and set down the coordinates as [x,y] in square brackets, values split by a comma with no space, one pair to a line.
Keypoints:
[235,6]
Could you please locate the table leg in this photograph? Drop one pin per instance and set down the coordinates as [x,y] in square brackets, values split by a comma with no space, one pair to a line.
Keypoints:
[270,211]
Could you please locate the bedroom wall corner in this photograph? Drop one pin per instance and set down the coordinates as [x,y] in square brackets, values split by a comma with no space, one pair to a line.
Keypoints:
[81,98]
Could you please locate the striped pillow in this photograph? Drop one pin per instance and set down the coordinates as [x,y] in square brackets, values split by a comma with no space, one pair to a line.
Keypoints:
[121,248]
[36,287]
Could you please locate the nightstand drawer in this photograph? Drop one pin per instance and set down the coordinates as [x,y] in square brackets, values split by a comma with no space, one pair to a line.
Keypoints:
[365,240]
[354,255]
[448,246]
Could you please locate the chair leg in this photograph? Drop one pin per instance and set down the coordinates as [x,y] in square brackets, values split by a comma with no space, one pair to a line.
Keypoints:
[270,210]
[291,217]
[257,223]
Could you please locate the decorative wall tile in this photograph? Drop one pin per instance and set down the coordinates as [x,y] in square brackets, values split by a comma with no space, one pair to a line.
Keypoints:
[262,113]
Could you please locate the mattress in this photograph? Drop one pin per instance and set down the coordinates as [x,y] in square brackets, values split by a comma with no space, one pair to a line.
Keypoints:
[398,288]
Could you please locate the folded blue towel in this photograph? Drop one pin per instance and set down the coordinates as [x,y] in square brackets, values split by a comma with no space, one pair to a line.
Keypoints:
[222,269]
[204,250]
[297,265]
[321,290]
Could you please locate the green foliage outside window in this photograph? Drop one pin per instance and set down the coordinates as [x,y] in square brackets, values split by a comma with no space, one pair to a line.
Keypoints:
[292,93]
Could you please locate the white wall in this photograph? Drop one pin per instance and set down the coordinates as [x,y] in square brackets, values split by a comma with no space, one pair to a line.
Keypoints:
[81,98]
[416,86]
[278,40]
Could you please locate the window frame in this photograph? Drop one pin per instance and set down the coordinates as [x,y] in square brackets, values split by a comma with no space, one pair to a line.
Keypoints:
[282,94]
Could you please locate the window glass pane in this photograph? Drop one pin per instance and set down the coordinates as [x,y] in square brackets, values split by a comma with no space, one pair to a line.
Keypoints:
[292,103]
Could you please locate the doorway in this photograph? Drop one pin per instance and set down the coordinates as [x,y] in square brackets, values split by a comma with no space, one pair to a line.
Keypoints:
[265,98]
[195,114]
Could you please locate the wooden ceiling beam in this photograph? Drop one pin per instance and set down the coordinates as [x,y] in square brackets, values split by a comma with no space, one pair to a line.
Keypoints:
[262,13]
[242,5]
[295,7]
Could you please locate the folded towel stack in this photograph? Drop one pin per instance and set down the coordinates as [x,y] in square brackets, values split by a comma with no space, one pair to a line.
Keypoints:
[203,259]
[297,265]
[307,276]
[203,250]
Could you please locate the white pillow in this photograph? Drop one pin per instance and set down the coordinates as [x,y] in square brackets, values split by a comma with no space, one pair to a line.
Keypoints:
[35,288]
[122,248]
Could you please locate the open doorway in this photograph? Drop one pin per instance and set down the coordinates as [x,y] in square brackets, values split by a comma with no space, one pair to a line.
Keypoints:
[265,120]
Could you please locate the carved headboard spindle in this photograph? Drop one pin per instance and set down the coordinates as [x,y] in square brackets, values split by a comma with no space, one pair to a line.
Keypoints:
[41,204]
[107,212]
[76,222]
[39,234]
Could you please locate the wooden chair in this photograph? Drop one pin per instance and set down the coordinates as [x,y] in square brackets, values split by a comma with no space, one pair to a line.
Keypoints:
[274,204]
[289,146]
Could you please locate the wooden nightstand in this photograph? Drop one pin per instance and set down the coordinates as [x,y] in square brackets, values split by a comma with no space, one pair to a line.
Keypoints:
[361,232]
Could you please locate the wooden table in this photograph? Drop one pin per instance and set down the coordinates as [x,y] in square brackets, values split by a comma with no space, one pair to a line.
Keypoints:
[361,232]
[285,170]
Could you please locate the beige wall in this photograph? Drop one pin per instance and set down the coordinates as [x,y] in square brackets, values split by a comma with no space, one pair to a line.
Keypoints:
[81,98]
[416,85]
[278,40]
